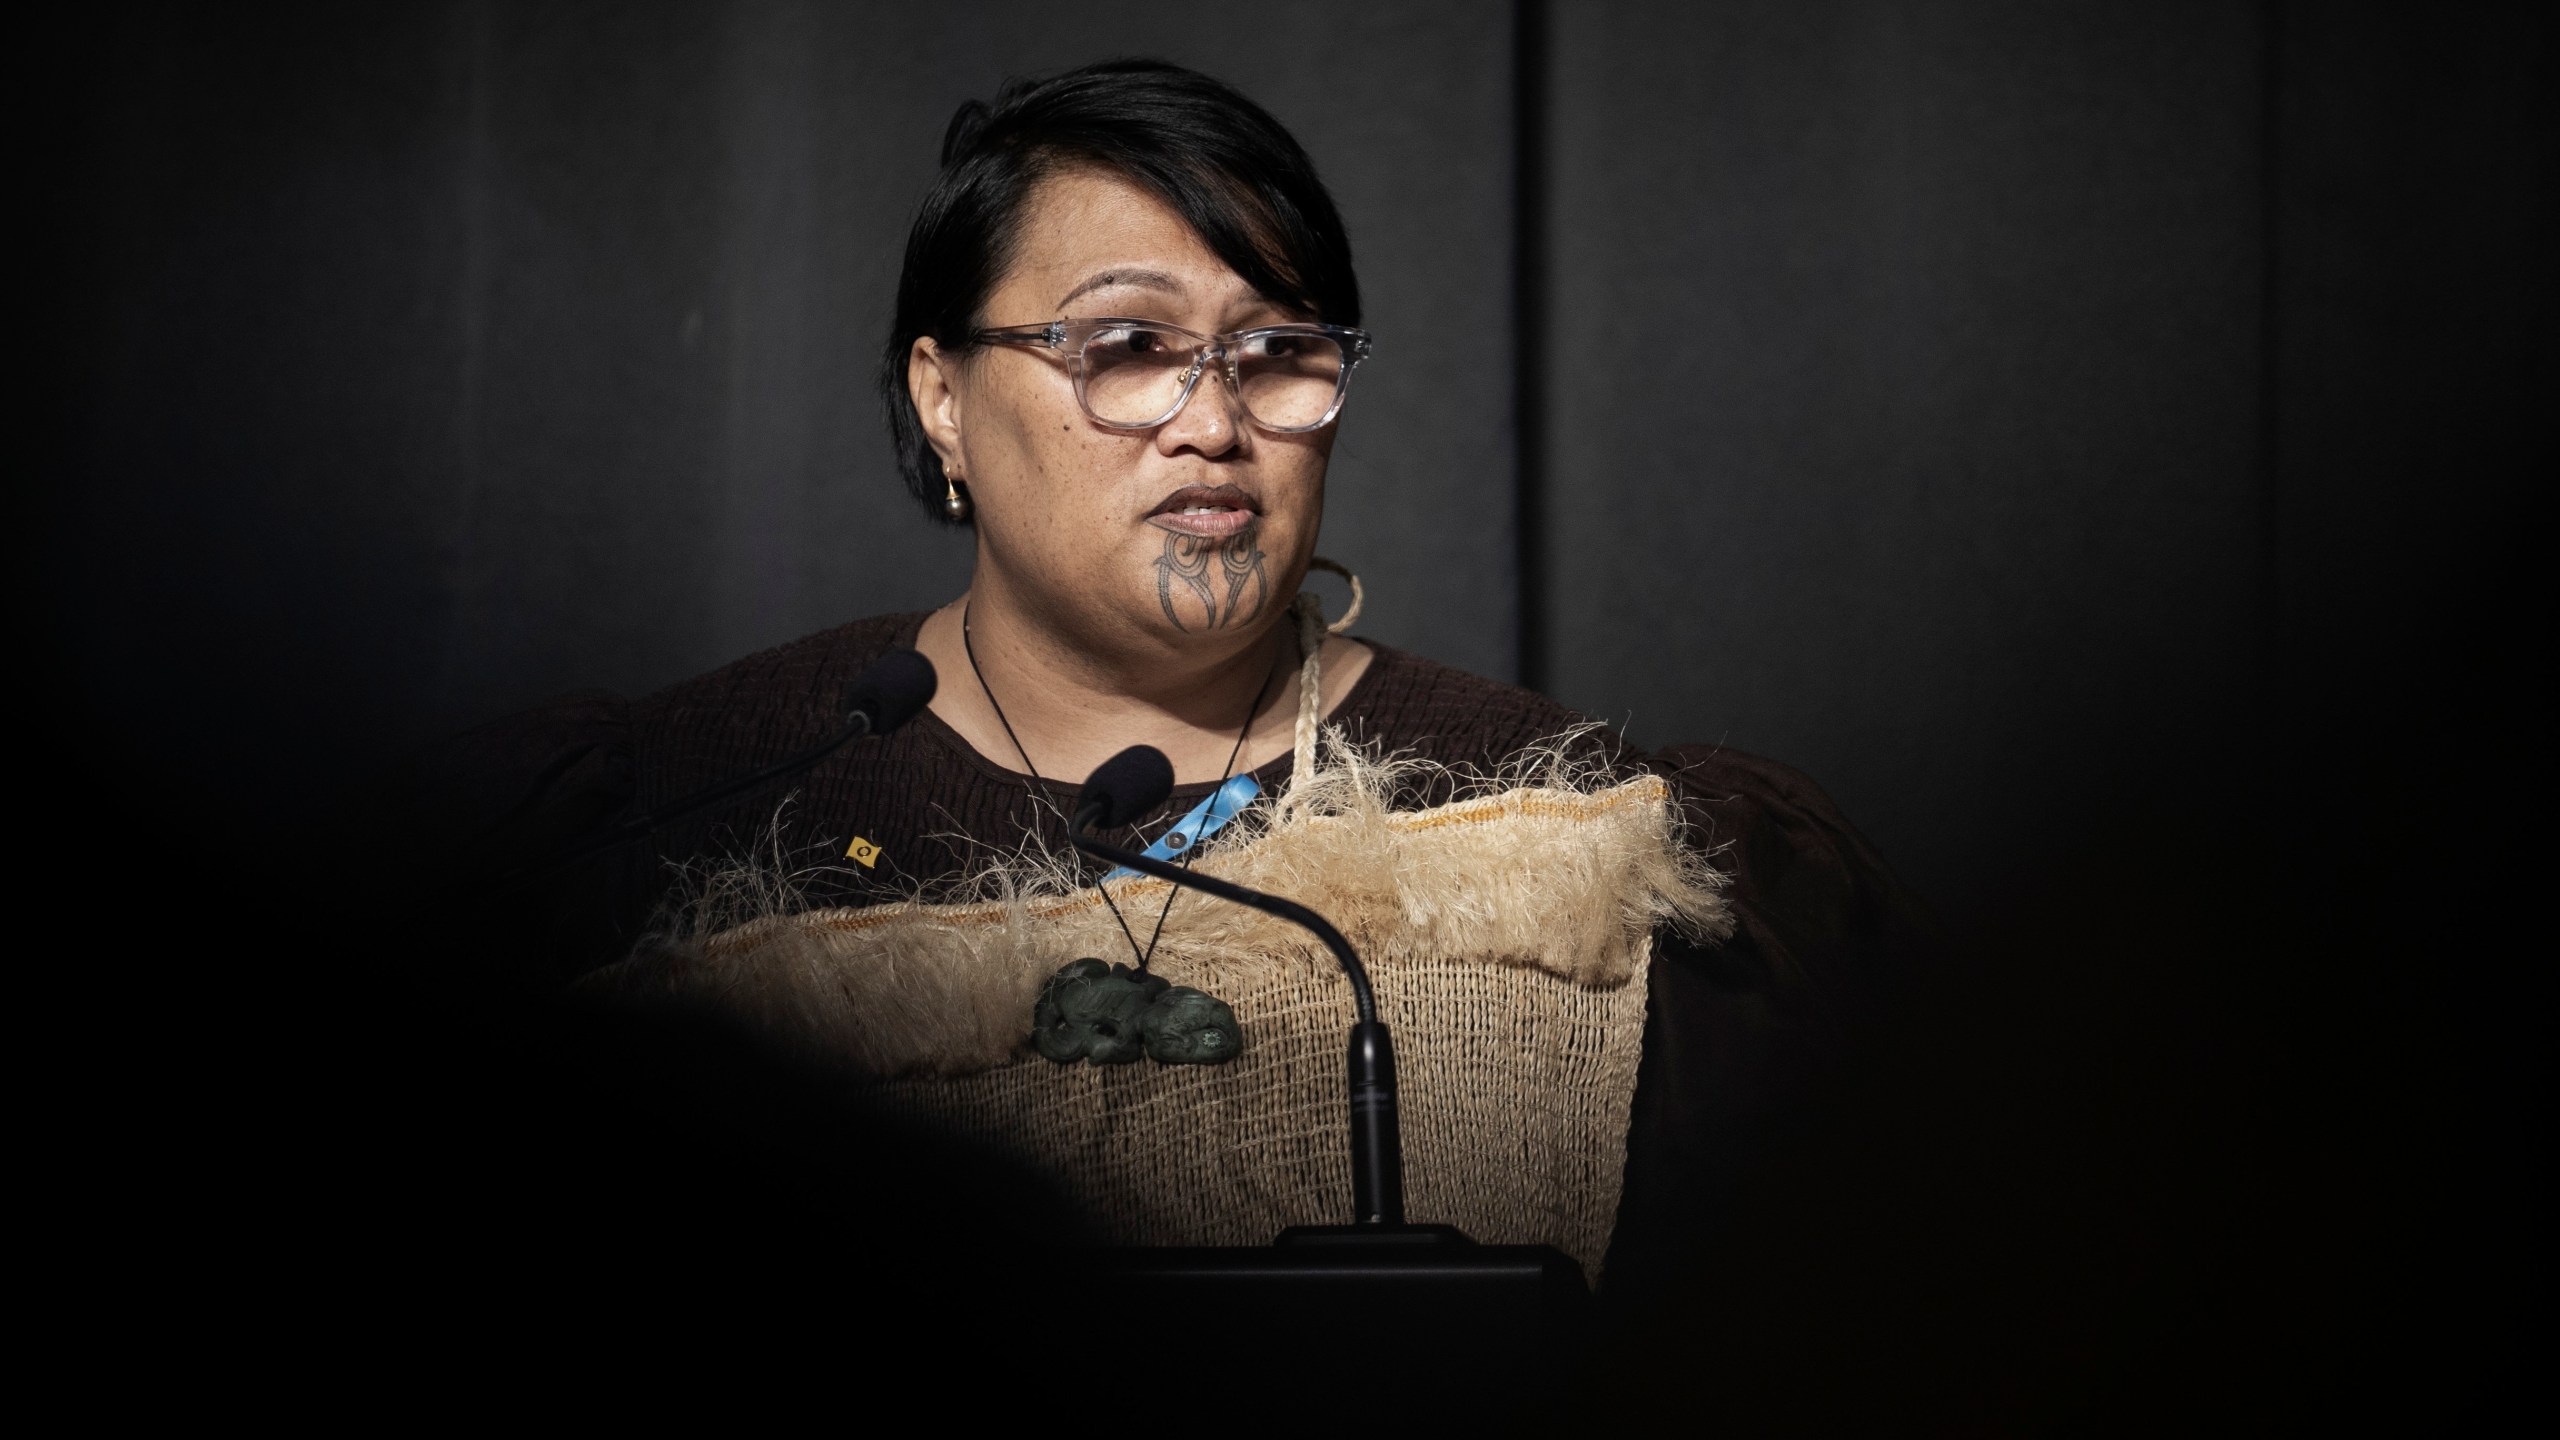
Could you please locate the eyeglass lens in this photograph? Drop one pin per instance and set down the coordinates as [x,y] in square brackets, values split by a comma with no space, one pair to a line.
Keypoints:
[1133,375]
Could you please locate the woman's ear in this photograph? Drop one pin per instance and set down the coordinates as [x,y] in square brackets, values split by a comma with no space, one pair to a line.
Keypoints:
[933,383]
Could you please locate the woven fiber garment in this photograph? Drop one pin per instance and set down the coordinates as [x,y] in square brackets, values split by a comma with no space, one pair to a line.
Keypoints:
[1506,933]
[1514,1087]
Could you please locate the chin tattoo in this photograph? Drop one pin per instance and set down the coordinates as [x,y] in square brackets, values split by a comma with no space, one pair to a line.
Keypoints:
[1208,584]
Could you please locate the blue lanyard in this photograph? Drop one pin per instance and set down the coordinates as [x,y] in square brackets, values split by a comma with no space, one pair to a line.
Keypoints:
[1223,805]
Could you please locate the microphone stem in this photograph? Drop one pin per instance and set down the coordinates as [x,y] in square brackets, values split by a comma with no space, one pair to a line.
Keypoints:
[1377,1144]
[1290,910]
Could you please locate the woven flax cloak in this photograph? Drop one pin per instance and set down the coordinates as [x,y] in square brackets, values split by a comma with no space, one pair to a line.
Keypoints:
[1507,935]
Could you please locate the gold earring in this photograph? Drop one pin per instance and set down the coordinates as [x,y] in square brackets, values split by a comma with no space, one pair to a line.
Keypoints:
[954,504]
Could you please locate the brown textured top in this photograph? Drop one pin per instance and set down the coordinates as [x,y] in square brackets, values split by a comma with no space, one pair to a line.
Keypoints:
[936,808]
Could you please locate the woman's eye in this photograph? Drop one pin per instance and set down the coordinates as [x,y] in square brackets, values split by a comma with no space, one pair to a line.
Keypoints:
[1132,342]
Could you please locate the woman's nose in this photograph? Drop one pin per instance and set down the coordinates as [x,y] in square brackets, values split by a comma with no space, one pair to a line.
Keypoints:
[1211,421]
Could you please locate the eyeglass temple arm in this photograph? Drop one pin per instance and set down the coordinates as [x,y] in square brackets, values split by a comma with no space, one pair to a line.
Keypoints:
[1053,334]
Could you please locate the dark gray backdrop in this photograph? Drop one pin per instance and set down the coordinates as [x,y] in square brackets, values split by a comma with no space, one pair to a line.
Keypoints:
[2091,439]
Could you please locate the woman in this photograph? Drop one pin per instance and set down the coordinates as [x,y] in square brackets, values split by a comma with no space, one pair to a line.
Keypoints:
[1125,334]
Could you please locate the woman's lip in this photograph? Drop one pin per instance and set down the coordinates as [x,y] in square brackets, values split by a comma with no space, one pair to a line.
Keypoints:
[1214,524]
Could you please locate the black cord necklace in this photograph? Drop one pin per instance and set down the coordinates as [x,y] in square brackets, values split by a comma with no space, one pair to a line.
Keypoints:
[969,647]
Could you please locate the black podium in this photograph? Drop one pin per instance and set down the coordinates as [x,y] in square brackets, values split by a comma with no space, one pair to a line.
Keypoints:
[1412,1323]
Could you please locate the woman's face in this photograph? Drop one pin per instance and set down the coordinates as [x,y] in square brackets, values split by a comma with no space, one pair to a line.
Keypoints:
[1197,529]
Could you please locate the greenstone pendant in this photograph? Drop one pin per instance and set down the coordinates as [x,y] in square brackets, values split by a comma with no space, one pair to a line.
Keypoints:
[1111,1014]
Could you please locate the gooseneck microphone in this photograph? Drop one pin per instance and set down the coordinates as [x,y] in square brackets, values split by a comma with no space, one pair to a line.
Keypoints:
[887,694]
[1136,781]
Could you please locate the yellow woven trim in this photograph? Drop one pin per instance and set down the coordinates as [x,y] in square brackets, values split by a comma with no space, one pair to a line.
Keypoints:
[1535,804]
[1532,804]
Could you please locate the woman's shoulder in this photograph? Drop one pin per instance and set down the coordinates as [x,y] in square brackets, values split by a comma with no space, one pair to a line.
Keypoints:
[1802,878]
[1730,788]
[1813,889]
[1439,712]
[1406,703]
[811,669]
[759,707]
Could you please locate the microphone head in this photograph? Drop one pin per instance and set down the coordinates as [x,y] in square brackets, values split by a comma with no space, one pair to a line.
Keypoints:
[891,690]
[1125,787]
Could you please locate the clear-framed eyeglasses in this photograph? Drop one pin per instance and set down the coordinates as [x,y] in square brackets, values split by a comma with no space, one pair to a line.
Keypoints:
[1138,374]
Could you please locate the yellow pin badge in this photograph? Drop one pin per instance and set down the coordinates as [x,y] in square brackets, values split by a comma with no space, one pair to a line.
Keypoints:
[862,852]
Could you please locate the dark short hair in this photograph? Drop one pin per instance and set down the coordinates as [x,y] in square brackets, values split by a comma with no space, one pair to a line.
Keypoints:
[1215,158]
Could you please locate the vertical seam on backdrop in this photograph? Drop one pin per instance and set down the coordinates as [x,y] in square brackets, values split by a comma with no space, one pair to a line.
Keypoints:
[2270,596]
[1529,337]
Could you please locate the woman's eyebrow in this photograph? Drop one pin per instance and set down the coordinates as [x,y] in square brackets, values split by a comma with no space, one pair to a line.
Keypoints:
[1142,279]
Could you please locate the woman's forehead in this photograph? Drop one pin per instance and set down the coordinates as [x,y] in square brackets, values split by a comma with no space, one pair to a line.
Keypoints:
[1090,235]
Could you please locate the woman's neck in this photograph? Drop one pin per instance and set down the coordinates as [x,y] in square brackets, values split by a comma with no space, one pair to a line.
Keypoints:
[1073,702]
